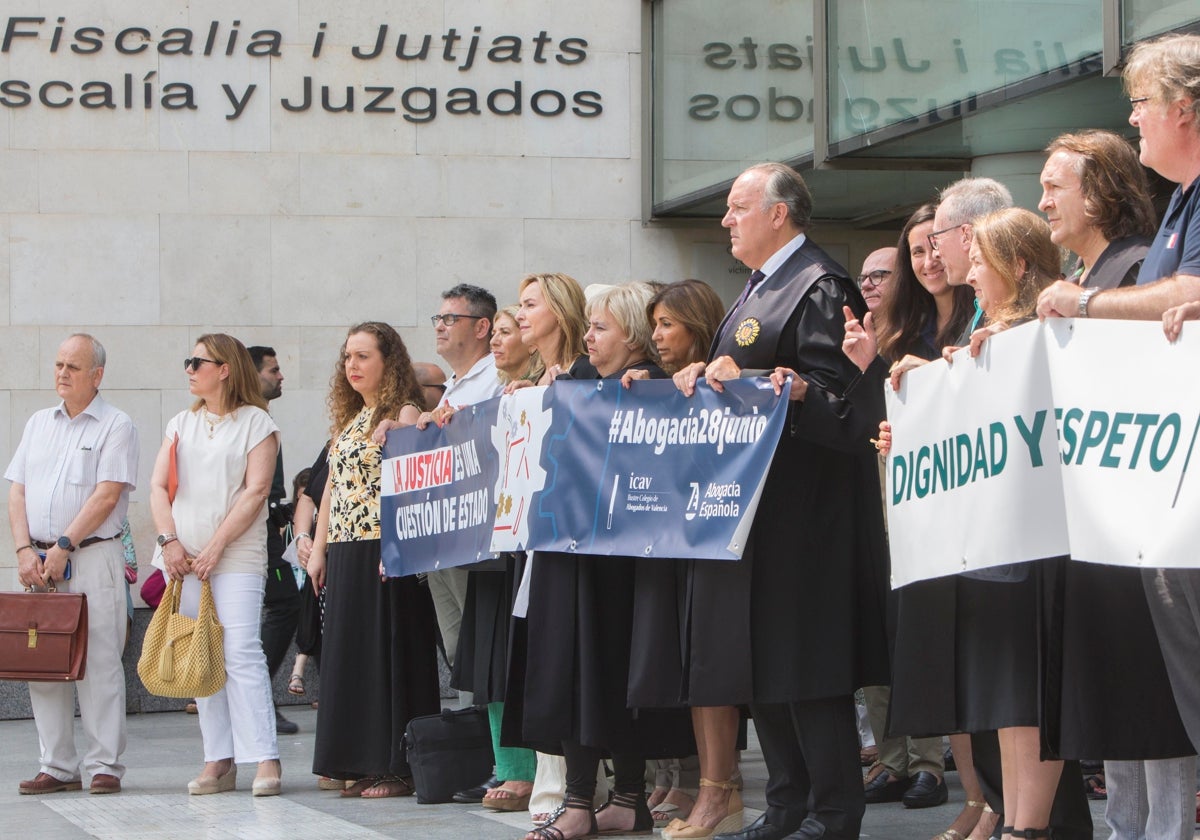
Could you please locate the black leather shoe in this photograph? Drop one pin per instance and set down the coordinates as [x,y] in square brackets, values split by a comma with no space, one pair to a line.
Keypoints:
[760,829]
[284,726]
[473,796]
[811,829]
[926,791]
[883,788]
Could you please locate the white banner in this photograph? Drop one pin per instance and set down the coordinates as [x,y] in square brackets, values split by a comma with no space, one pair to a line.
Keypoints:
[1069,437]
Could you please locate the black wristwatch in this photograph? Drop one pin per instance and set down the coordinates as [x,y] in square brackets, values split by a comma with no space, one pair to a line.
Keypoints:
[163,539]
[64,542]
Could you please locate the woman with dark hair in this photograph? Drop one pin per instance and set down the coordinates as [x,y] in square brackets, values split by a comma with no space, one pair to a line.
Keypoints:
[995,663]
[378,651]
[684,317]
[921,312]
[215,530]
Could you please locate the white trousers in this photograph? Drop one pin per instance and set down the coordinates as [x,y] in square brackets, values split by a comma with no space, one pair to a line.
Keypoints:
[239,720]
[98,571]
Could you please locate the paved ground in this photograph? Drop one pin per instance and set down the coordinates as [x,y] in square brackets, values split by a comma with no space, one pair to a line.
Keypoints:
[164,753]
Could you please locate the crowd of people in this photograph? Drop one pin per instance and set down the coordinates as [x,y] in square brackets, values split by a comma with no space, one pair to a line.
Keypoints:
[655,665]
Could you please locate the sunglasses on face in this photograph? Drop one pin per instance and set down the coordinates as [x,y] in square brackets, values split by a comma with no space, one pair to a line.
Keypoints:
[194,363]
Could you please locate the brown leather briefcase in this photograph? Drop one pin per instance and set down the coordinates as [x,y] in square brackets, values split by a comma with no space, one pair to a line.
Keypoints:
[43,636]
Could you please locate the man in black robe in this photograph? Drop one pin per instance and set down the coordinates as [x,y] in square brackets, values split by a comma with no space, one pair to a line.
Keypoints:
[797,625]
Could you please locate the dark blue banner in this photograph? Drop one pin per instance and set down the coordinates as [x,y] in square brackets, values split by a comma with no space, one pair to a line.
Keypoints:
[589,467]
[640,472]
[436,507]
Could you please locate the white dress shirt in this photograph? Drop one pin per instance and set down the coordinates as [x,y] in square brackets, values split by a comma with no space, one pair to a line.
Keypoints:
[475,386]
[61,459]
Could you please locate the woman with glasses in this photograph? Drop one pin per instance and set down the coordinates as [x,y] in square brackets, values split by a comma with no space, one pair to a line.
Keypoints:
[920,314]
[379,667]
[215,530]
[995,662]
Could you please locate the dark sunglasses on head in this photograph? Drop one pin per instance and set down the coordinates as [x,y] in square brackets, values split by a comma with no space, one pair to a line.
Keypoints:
[195,362]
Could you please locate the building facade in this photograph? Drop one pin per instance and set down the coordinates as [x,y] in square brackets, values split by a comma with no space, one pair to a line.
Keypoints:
[282,169]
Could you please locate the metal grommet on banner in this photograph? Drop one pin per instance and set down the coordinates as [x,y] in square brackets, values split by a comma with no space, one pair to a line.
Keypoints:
[600,386]
[573,544]
[649,548]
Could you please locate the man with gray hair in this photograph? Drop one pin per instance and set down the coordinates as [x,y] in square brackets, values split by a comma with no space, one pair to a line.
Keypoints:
[71,476]
[815,566]
[959,205]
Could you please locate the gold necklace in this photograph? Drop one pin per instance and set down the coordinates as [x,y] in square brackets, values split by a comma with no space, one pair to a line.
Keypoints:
[212,424]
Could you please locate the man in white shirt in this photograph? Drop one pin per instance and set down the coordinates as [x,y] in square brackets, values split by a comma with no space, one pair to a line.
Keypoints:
[464,329]
[71,476]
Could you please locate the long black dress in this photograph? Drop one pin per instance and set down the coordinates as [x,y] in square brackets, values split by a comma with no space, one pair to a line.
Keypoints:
[575,658]
[379,668]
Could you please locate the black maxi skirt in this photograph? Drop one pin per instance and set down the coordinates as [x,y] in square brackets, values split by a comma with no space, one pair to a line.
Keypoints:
[1106,694]
[379,665]
[574,655]
[966,656]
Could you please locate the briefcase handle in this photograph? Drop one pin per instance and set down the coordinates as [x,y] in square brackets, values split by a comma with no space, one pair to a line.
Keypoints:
[49,587]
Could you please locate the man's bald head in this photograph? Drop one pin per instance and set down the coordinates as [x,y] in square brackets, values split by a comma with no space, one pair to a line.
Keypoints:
[877,270]
[431,379]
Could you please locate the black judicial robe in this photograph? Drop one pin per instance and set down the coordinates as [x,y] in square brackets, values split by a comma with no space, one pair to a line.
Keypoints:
[801,616]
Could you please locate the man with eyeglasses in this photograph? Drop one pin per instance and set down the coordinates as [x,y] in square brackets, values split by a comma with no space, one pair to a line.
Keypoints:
[877,270]
[463,328]
[959,205]
[71,476]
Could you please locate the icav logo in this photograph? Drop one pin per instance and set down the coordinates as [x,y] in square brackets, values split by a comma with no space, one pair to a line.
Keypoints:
[693,504]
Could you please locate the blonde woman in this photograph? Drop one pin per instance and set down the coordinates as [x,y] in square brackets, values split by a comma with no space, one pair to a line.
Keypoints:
[215,530]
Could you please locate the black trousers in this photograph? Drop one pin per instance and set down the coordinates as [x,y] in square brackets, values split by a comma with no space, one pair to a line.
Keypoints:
[811,752]
[281,612]
[629,771]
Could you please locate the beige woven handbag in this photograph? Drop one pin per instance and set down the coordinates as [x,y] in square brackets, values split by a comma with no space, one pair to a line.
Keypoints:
[181,656]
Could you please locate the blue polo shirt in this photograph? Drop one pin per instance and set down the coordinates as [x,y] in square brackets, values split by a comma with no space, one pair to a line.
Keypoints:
[1176,246]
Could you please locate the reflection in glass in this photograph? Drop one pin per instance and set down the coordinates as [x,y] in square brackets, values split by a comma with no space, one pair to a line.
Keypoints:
[1143,18]
[920,64]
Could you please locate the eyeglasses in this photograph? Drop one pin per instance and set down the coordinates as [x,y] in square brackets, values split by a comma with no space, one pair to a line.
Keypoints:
[875,278]
[440,386]
[933,237]
[194,363]
[449,318]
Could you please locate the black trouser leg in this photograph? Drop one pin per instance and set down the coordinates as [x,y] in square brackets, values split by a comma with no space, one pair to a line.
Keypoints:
[788,783]
[809,748]
[281,612]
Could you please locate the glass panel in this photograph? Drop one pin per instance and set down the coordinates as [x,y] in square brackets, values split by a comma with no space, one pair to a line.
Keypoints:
[732,85]
[1143,18]
[918,64]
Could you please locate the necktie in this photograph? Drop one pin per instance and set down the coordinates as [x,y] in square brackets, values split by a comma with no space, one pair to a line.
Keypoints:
[755,277]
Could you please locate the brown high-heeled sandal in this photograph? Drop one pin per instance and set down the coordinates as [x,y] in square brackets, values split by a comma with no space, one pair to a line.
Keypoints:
[731,822]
